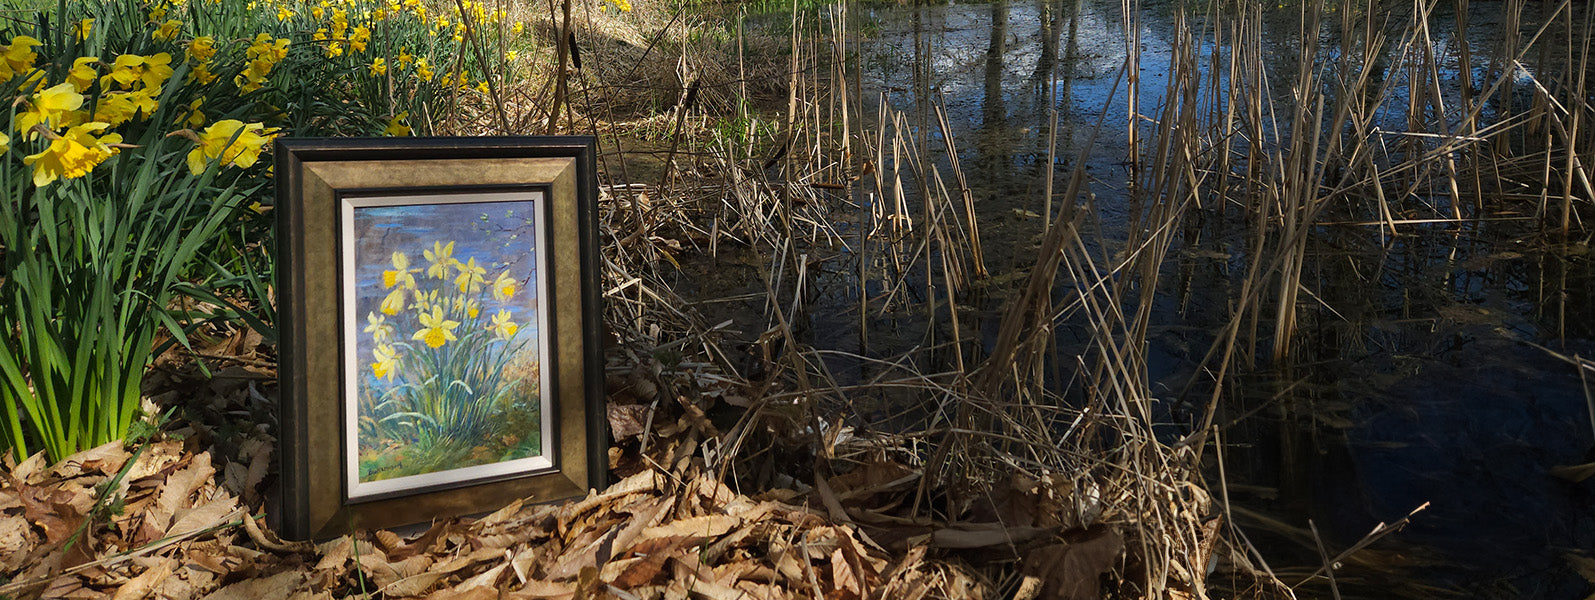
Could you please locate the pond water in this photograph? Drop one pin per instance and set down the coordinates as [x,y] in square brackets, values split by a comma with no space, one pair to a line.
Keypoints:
[1424,374]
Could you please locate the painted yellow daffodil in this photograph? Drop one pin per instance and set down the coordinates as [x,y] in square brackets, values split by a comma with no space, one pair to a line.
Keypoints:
[387,362]
[468,307]
[471,278]
[424,301]
[233,142]
[400,274]
[73,154]
[377,325]
[50,108]
[440,258]
[504,287]
[394,303]
[437,330]
[503,326]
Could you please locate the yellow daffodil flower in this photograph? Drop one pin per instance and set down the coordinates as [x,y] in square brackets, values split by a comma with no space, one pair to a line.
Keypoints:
[387,362]
[218,142]
[195,117]
[18,57]
[404,57]
[82,74]
[201,49]
[517,28]
[334,50]
[397,126]
[116,108]
[394,303]
[158,13]
[378,67]
[73,154]
[283,14]
[471,277]
[377,325]
[340,22]
[502,326]
[5,143]
[201,74]
[317,12]
[423,70]
[440,258]
[49,108]
[437,330]
[152,71]
[503,287]
[83,27]
[167,31]
[400,274]
[361,37]
[512,55]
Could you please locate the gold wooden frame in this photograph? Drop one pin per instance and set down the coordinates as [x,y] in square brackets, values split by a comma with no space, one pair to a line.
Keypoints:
[312,178]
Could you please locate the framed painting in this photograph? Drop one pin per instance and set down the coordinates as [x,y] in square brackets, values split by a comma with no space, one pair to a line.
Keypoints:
[438,328]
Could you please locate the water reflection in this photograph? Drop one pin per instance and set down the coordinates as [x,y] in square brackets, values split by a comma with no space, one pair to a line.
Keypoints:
[1419,376]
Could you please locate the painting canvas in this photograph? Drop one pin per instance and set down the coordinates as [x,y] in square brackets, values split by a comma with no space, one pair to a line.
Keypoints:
[446,336]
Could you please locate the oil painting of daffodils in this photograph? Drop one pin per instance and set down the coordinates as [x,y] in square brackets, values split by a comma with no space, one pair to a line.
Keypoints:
[447,345]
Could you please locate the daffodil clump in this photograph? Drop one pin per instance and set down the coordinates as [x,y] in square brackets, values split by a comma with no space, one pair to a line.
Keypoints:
[136,134]
[440,338]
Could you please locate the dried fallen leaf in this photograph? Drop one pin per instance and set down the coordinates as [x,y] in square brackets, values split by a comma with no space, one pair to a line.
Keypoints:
[1073,570]
[275,587]
[627,421]
[209,515]
[139,587]
[414,585]
[707,526]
